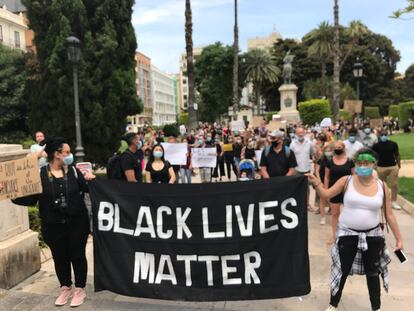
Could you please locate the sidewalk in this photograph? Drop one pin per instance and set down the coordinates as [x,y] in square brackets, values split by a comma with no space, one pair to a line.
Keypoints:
[39,291]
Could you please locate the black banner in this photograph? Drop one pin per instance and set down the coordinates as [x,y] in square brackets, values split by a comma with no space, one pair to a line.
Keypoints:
[202,242]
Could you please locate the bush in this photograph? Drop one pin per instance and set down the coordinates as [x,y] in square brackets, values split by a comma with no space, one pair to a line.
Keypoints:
[393,111]
[345,115]
[35,224]
[171,130]
[405,110]
[269,115]
[372,113]
[182,118]
[313,111]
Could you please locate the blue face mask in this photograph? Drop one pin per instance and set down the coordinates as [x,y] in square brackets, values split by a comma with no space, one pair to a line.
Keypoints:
[367,131]
[384,138]
[352,139]
[139,145]
[158,154]
[68,160]
[364,171]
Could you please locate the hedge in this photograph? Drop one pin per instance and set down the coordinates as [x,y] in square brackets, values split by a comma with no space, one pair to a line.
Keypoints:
[372,113]
[35,224]
[182,118]
[393,111]
[404,112]
[313,111]
[269,115]
[345,115]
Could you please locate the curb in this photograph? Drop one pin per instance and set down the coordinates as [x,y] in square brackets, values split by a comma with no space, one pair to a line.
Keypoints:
[406,205]
[407,161]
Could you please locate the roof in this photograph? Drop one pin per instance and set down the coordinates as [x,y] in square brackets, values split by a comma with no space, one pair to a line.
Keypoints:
[14,6]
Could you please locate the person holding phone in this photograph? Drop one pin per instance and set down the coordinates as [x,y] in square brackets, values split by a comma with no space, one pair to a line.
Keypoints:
[359,235]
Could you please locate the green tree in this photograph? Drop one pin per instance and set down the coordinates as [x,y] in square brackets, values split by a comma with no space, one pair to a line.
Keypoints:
[337,63]
[258,68]
[192,113]
[13,107]
[106,71]
[408,9]
[322,48]
[408,84]
[213,78]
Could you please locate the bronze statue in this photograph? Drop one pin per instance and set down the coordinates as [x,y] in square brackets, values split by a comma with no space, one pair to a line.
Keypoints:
[287,68]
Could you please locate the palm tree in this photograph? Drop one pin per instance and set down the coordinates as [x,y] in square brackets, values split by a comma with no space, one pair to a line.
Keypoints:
[355,31]
[322,48]
[236,60]
[337,69]
[258,68]
[192,113]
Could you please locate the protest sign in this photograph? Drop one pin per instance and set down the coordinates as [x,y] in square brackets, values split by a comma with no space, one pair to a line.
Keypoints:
[353,106]
[237,125]
[258,155]
[84,167]
[176,154]
[274,125]
[205,242]
[257,121]
[20,178]
[204,157]
[376,123]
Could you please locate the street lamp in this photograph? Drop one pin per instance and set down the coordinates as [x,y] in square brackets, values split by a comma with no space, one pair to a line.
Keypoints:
[74,55]
[358,72]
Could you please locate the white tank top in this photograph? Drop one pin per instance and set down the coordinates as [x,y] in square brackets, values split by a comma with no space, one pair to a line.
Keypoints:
[361,212]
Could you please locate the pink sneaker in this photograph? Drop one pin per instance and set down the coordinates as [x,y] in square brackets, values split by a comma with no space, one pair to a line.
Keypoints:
[64,295]
[79,296]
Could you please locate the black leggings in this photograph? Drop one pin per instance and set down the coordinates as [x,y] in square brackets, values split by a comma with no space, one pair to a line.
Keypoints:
[347,250]
[230,165]
[68,243]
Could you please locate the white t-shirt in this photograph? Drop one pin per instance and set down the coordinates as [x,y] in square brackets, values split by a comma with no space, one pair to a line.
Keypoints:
[352,148]
[303,152]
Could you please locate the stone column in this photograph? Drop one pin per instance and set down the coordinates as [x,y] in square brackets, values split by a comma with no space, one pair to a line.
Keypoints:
[19,250]
[288,103]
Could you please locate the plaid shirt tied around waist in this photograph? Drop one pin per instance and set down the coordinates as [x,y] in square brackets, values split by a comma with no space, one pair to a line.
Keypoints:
[358,265]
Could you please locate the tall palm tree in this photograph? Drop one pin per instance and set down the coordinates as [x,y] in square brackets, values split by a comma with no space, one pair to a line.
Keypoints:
[337,69]
[236,60]
[258,68]
[192,113]
[322,48]
[355,31]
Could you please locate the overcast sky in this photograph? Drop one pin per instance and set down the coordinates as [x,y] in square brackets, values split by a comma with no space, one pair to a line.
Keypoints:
[159,24]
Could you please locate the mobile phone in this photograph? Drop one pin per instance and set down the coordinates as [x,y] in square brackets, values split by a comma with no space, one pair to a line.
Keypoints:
[401,256]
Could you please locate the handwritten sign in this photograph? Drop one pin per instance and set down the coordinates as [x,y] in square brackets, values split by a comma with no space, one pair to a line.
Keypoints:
[353,106]
[204,157]
[176,154]
[84,167]
[20,178]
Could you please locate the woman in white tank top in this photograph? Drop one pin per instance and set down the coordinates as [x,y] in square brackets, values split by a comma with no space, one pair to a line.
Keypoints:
[359,236]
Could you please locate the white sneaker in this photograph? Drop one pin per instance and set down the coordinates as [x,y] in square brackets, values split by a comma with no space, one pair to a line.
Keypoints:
[331,308]
[323,221]
[395,205]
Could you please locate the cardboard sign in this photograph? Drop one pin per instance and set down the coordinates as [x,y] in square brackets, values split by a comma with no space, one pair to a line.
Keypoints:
[237,125]
[376,123]
[176,154]
[84,167]
[274,125]
[353,106]
[257,121]
[204,157]
[20,178]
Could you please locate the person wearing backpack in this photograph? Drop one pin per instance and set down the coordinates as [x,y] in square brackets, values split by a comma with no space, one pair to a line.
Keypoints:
[131,159]
[359,246]
[277,159]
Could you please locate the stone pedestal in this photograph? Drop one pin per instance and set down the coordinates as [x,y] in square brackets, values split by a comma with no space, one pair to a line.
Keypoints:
[19,250]
[288,103]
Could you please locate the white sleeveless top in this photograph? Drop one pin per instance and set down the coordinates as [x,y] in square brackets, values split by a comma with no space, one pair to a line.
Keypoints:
[361,212]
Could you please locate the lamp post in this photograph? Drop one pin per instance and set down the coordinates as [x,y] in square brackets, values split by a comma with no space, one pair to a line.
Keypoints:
[74,55]
[358,72]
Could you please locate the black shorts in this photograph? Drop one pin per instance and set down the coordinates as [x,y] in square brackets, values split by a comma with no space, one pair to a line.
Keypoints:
[339,199]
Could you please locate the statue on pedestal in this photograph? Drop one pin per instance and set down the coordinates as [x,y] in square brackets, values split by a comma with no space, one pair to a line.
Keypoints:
[287,68]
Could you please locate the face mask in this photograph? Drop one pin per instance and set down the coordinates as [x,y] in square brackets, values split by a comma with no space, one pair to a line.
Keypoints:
[352,139]
[384,138]
[238,141]
[328,154]
[251,145]
[158,154]
[139,145]
[338,151]
[367,131]
[68,160]
[275,144]
[200,141]
[364,171]
[301,138]
[208,138]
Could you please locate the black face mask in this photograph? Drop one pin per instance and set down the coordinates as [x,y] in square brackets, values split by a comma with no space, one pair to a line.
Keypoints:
[275,144]
[338,151]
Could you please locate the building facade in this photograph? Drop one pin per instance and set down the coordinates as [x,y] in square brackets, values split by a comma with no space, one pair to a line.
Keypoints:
[164,109]
[183,80]
[263,43]
[144,89]
[12,29]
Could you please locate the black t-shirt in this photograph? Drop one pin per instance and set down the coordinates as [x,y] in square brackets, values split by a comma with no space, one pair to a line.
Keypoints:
[237,149]
[159,177]
[338,171]
[278,164]
[387,153]
[132,161]
[249,153]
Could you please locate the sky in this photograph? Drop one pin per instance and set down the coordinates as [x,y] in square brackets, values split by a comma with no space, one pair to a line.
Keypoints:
[159,24]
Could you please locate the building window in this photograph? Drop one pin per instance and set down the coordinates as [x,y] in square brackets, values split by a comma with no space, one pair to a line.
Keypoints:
[1,33]
[17,39]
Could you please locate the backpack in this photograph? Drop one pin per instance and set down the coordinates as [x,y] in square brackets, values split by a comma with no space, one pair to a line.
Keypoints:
[287,151]
[113,168]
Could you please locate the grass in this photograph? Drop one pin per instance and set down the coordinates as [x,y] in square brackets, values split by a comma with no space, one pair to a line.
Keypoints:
[406,145]
[406,187]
